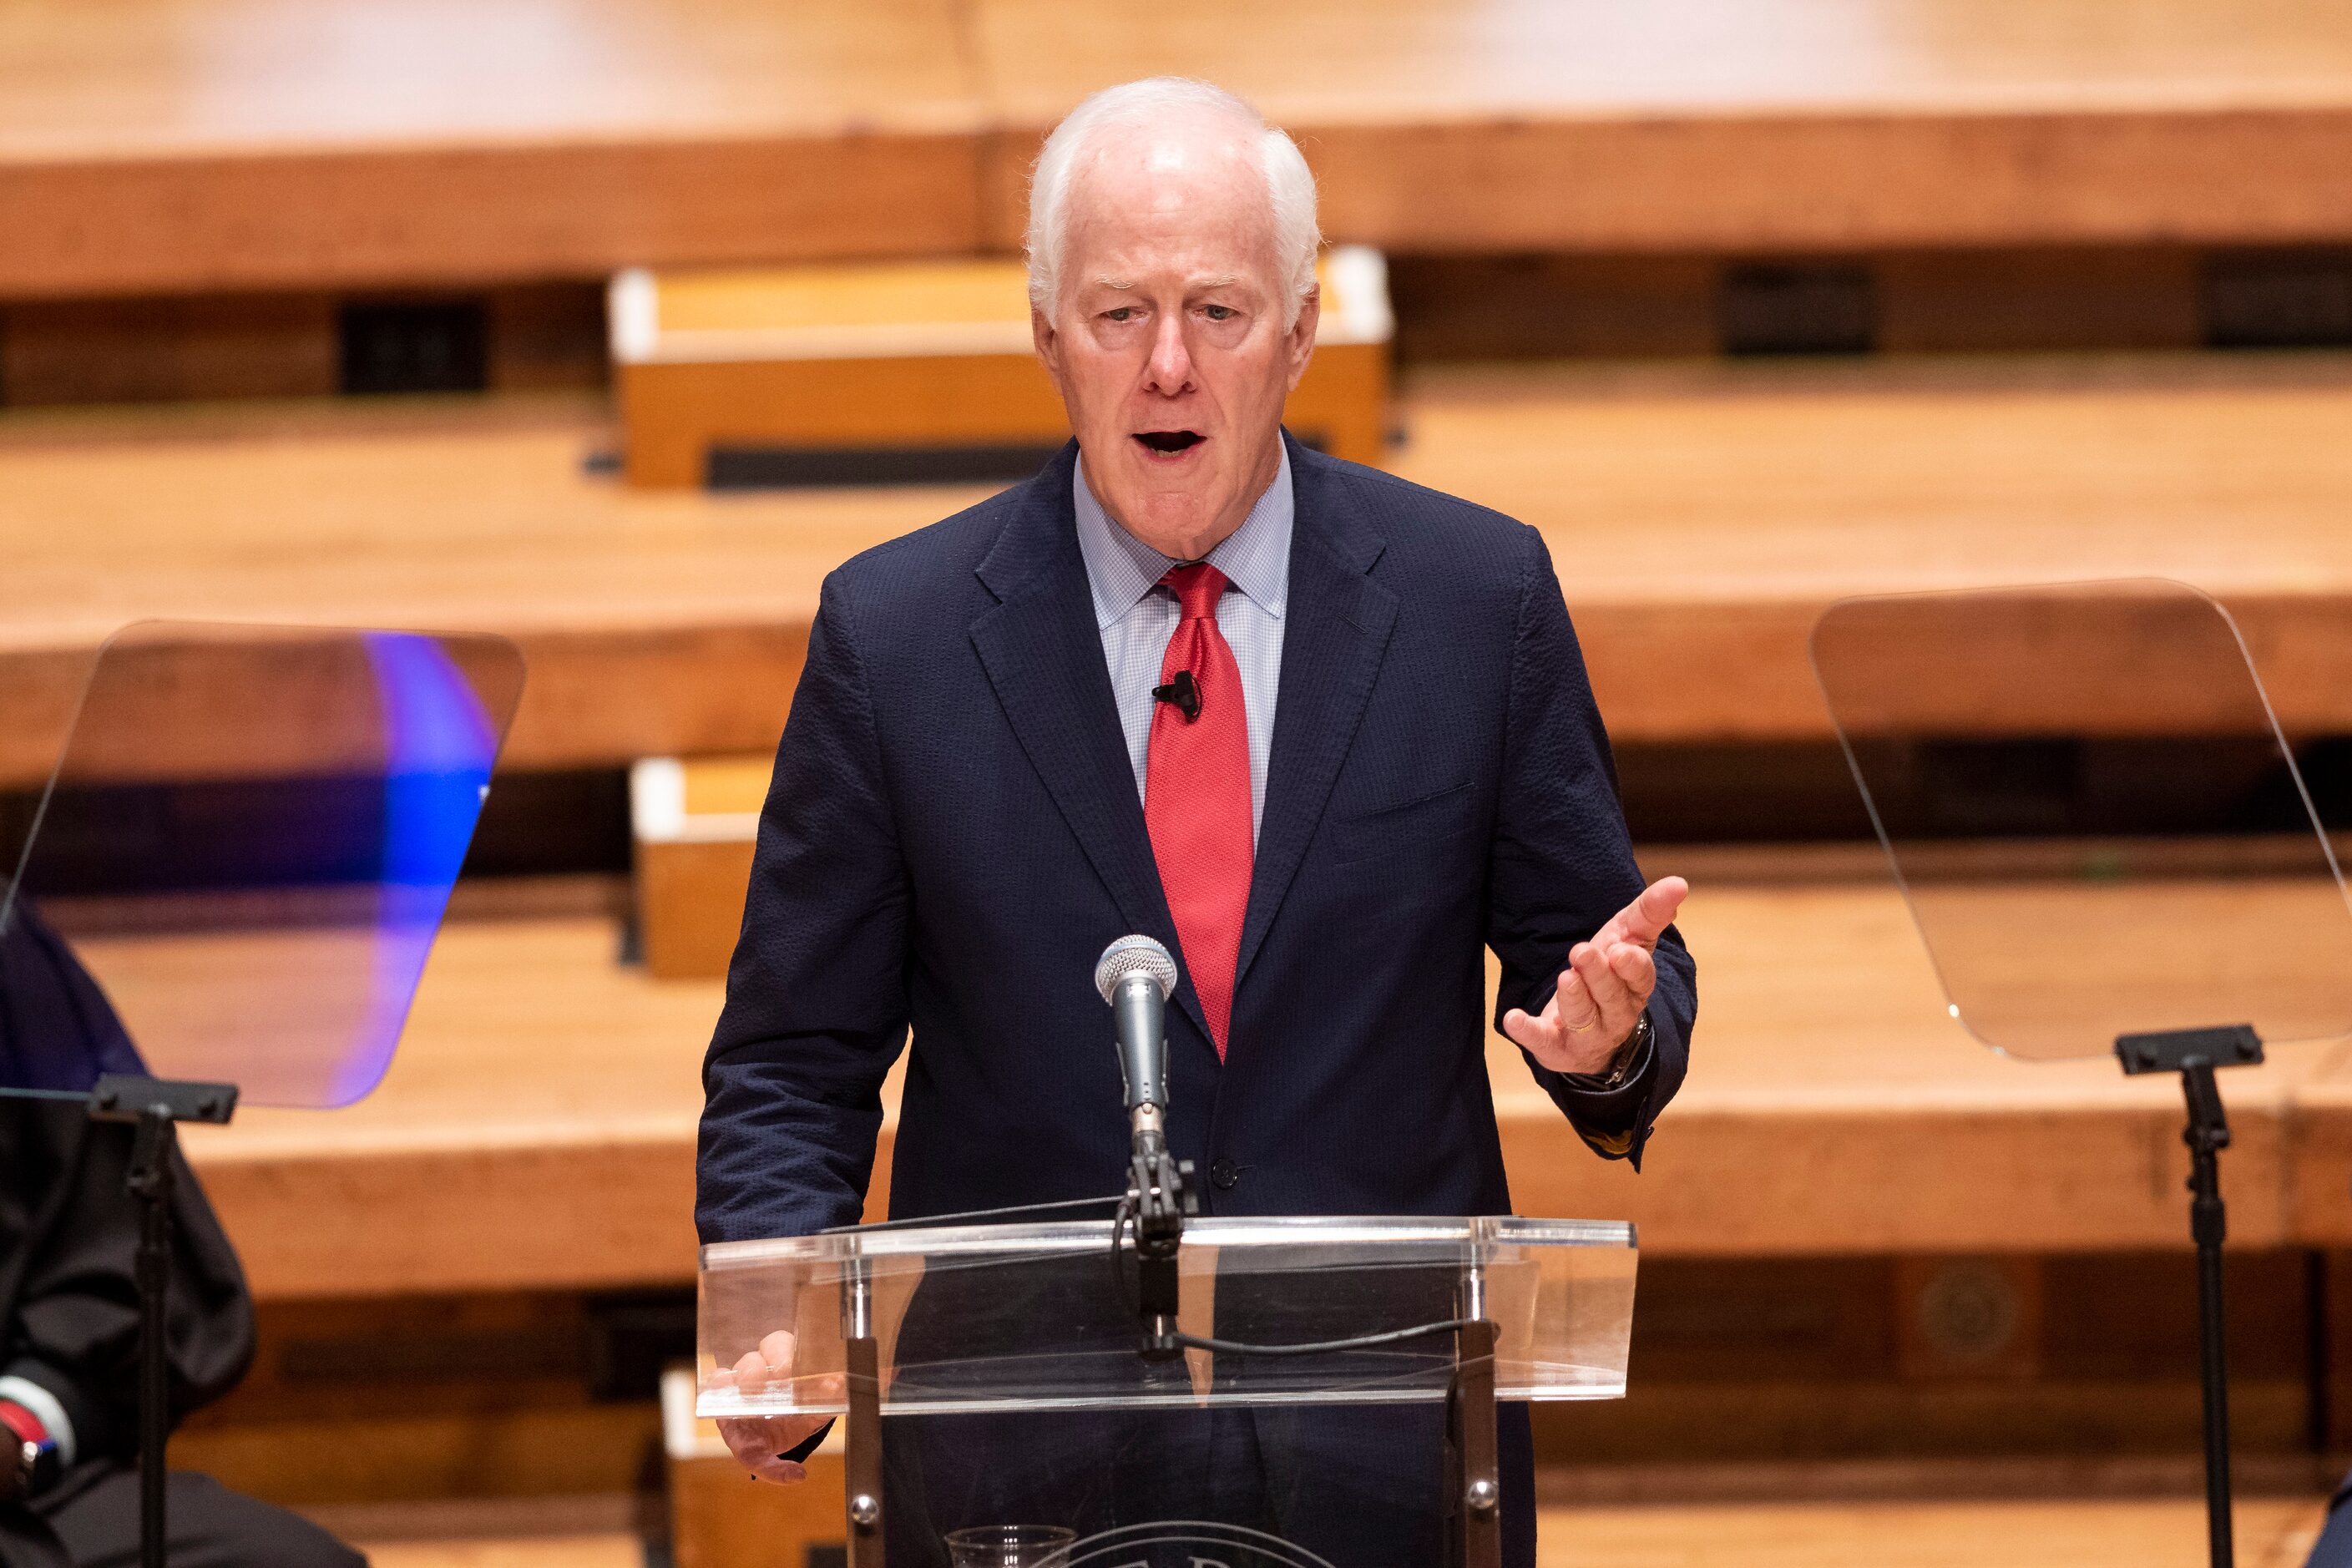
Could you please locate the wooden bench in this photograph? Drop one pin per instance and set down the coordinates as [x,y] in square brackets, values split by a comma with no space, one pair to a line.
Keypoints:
[1700,519]
[358,145]
[351,145]
[897,371]
[1722,127]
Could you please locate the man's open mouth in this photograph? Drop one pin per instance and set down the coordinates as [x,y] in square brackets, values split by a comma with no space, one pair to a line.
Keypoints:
[1170,440]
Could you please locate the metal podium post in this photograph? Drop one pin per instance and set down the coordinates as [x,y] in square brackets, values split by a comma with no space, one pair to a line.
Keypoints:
[1474,1484]
[862,1362]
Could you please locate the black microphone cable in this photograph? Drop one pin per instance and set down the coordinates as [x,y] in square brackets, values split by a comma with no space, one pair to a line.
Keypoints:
[1126,1217]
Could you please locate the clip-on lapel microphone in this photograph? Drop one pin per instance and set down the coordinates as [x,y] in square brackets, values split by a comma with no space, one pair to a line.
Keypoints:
[1184,691]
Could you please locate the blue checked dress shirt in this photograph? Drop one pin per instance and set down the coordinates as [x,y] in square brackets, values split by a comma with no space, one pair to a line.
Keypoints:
[1138,616]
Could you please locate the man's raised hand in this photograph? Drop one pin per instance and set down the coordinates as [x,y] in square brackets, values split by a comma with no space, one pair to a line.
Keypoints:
[1603,991]
[759,1442]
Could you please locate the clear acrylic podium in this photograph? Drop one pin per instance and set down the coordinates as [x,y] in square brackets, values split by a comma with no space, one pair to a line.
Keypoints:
[1038,1321]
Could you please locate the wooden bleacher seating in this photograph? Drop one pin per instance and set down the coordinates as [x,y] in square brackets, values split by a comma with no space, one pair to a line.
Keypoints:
[537,1134]
[260,149]
[1700,517]
[536,1129]
[872,363]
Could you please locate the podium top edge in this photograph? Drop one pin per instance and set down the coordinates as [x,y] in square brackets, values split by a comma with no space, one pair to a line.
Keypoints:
[1077,1236]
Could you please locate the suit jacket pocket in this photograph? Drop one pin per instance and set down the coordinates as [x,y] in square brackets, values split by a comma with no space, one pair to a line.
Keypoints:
[1400,830]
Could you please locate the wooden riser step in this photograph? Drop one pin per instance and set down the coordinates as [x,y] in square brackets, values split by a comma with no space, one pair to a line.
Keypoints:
[536,1129]
[142,150]
[1700,520]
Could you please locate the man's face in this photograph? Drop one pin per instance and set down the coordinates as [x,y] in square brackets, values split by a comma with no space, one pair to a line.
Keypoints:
[1168,341]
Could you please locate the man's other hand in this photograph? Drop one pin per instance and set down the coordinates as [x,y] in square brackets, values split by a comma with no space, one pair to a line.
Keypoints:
[759,1442]
[1603,991]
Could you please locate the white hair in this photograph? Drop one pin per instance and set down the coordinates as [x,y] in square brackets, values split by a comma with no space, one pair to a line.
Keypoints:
[1135,105]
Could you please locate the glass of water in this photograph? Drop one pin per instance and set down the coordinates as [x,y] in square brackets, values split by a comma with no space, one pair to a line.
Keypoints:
[1007,1545]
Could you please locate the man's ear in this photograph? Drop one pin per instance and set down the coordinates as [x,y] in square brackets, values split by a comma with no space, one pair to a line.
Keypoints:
[1300,344]
[1048,343]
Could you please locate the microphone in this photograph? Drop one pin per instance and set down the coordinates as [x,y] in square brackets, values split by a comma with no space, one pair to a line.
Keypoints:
[1183,694]
[1135,975]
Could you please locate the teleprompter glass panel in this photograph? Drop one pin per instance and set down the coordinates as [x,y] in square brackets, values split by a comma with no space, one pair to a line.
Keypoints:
[1033,1318]
[250,841]
[2089,806]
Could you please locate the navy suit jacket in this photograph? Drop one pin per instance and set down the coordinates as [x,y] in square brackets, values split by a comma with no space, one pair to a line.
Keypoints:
[954,834]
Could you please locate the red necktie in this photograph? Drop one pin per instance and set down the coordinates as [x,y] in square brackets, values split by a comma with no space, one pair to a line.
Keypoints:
[1196,795]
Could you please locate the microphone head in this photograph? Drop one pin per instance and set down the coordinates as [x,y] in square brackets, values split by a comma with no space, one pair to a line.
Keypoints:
[1134,955]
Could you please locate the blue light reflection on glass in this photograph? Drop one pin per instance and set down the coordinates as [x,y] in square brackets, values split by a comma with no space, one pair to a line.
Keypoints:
[439,748]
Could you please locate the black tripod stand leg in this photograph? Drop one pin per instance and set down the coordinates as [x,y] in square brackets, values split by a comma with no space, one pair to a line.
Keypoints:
[2207,1134]
[2194,1054]
[149,1180]
[2214,1358]
[155,1107]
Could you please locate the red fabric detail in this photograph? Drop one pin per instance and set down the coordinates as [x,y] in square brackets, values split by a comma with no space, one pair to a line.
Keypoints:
[1196,797]
[27,1426]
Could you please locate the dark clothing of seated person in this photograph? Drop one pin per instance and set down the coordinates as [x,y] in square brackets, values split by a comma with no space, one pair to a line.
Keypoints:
[69,1304]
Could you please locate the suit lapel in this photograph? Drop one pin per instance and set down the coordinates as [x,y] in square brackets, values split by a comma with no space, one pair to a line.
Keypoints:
[1339,621]
[1044,655]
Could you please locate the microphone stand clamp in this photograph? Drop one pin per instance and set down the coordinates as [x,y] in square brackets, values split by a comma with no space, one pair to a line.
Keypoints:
[1160,1192]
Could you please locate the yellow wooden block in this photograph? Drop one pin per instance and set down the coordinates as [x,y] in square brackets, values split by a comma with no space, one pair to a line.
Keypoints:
[694,822]
[912,356]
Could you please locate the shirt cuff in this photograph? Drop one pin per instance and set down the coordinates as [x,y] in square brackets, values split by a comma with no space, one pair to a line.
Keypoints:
[1609,1118]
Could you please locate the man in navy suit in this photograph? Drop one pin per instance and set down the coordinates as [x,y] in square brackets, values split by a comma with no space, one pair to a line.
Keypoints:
[1321,732]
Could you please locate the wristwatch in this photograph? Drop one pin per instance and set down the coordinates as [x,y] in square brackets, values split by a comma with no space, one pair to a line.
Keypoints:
[1620,1065]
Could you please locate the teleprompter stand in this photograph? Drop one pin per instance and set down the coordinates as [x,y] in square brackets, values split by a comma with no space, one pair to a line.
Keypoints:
[155,1107]
[2047,897]
[2194,1054]
[345,769]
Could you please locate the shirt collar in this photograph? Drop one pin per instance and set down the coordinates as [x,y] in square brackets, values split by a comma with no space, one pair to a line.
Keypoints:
[1255,557]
